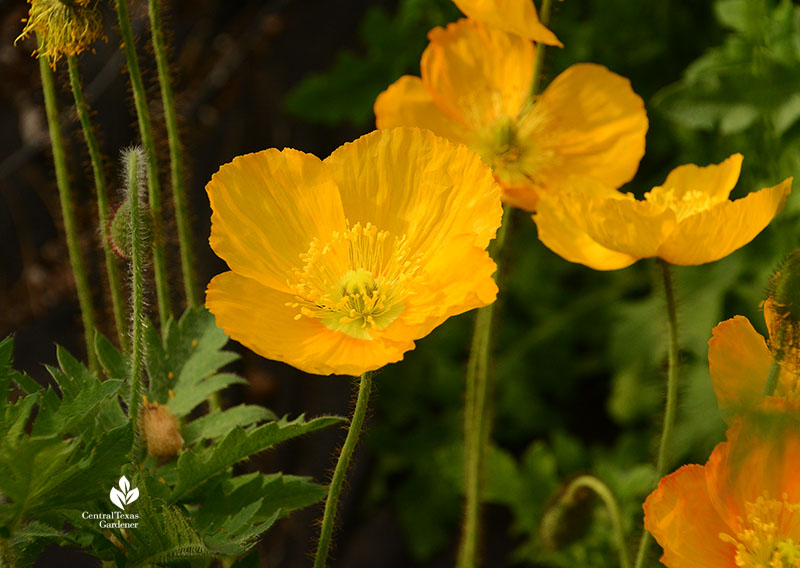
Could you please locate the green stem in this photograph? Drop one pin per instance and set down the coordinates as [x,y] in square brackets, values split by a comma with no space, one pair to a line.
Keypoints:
[146,132]
[772,379]
[68,207]
[536,78]
[103,205]
[605,494]
[335,488]
[478,417]
[137,287]
[176,159]
[672,395]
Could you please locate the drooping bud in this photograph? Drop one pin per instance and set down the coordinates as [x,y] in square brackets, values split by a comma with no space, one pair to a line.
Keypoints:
[64,27]
[782,312]
[161,431]
[566,517]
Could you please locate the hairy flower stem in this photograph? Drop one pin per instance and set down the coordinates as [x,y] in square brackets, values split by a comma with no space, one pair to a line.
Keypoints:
[610,502]
[68,208]
[177,176]
[335,488]
[146,132]
[478,412]
[772,379]
[536,78]
[103,205]
[138,253]
[672,394]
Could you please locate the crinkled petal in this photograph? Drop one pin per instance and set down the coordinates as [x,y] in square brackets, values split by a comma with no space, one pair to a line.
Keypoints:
[257,317]
[515,16]
[739,362]
[715,180]
[410,182]
[408,103]
[267,207]
[715,233]
[593,124]
[562,230]
[475,73]
[683,520]
[627,226]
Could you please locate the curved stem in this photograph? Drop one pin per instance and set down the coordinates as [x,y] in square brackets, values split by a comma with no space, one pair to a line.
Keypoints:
[154,190]
[68,207]
[103,205]
[335,488]
[137,287]
[672,394]
[478,413]
[175,158]
[602,490]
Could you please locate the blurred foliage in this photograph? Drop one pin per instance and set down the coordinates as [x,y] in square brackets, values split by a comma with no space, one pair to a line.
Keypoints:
[581,355]
[393,46]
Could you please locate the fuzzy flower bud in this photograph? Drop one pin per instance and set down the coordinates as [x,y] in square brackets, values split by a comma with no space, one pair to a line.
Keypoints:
[161,431]
[567,517]
[65,27]
[782,312]
[119,232]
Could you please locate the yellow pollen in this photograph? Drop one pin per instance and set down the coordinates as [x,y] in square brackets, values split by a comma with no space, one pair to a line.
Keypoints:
[765,539]
[356,282]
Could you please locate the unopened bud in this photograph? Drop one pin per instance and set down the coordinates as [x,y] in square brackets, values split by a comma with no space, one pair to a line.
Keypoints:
[120,232]
[566,517]
[161,431]
[782,312]
[65,27]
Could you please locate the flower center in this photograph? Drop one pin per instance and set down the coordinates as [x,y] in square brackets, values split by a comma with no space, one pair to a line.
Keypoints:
[509,146]
[356,281]
[690,203]
[762,540]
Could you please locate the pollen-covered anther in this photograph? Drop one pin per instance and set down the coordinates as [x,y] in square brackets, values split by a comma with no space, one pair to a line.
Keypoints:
[356,282]
[762,540]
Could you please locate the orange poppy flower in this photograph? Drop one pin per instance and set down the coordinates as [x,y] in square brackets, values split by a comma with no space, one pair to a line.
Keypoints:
[474,89]
[739,361]
[515,16]
[742,508]
[688,220]
[338,265]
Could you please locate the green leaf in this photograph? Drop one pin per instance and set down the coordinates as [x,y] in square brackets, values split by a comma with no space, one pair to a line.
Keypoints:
[114,363]
[190,353]
[219,423]
[196,468]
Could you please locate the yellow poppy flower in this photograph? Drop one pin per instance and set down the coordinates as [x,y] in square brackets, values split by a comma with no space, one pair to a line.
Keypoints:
[688,220]
[742,508]
[338,265]
[474,90]
[515,16]
[66,28]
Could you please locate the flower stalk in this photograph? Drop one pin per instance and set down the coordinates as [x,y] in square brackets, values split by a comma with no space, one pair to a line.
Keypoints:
[67,206]
[335,488]
[146,132]
[478,412]
[134,173]
[536,79]
[177,175]
[103,204]
[672,394]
